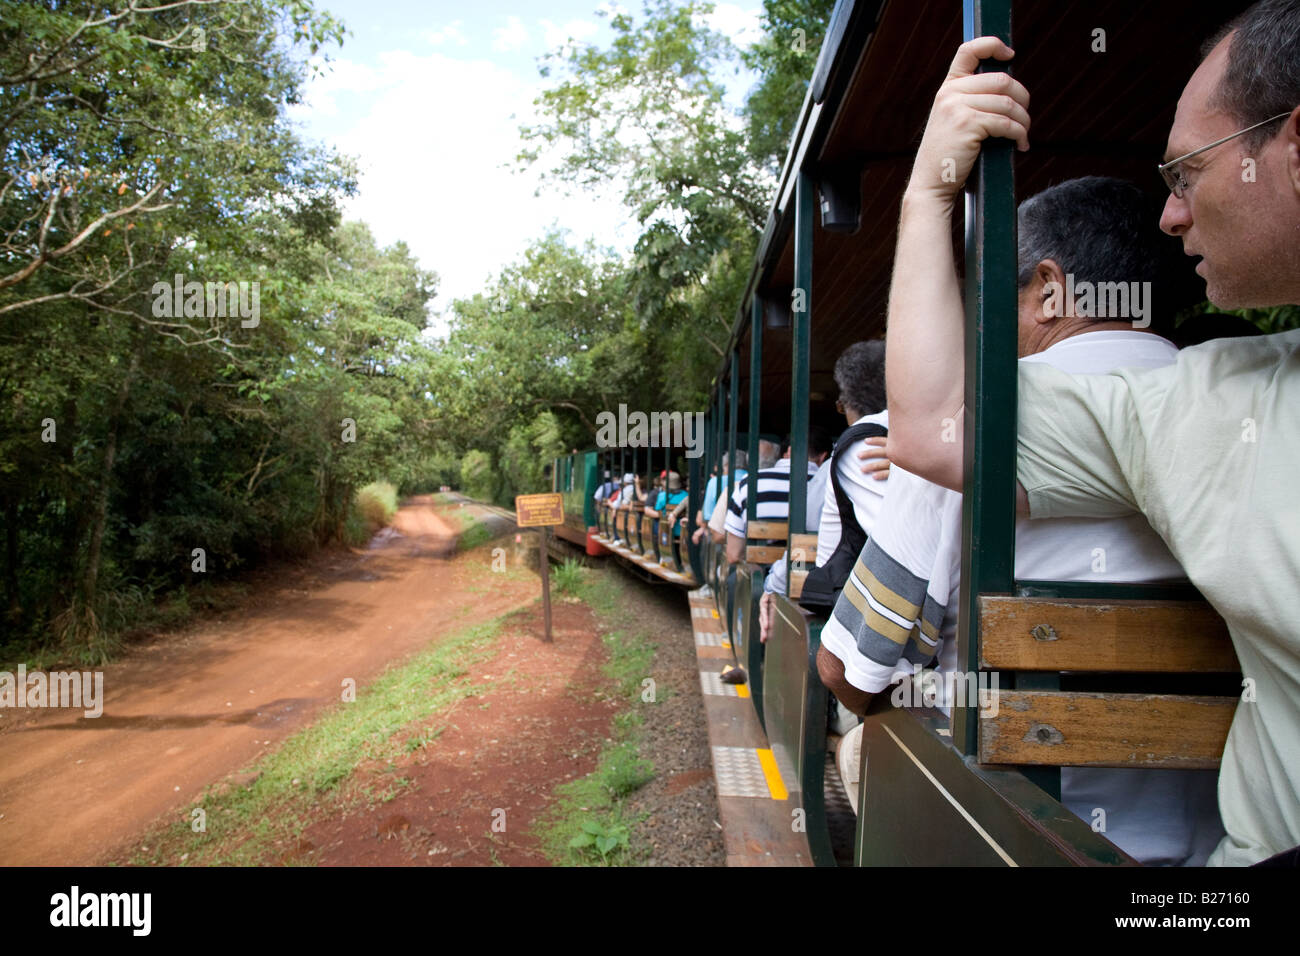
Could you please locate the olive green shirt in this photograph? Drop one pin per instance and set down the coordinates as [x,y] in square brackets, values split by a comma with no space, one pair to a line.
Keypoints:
[1209,450]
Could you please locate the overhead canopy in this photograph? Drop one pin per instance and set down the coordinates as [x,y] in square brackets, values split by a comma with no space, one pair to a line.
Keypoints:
[1102,104]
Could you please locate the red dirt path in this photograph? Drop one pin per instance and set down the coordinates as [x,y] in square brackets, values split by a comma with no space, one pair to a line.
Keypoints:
[184,711]
[479,786]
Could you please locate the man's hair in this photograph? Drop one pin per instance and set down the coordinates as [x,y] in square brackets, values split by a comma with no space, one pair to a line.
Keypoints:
[821,440]
[736,459]
[1262,77]
[860,376]
[1096,228]
[769,453]
[1102,229]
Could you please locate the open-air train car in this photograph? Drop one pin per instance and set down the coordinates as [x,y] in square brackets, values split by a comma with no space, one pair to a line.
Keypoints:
[1156,687]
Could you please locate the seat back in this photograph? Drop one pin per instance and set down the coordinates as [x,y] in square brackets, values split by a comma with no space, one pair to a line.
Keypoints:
[765,541]
[794,709]
[1103,727]
[803,556]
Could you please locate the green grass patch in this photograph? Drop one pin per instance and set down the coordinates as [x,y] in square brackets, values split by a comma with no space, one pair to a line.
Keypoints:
[567,577]
[588,825]
[473,533]
[258,823]
[377,503]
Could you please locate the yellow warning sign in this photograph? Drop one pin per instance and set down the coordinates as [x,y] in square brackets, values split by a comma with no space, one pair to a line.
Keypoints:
[537,511]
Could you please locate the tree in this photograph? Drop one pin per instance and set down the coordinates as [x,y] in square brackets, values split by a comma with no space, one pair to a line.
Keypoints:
[784,57]
[647,112]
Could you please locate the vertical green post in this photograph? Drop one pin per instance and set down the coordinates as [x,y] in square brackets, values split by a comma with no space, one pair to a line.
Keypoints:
[989,470]
[755,395]
[733,401]
[801,309]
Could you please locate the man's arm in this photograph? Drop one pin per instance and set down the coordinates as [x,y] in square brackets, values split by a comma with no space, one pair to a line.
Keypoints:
[924,357]
[735,548]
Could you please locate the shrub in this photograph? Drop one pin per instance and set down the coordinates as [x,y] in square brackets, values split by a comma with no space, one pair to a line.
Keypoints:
[377,503]
[568,577]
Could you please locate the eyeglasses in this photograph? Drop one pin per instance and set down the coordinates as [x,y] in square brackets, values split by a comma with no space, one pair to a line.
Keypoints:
[1173,176]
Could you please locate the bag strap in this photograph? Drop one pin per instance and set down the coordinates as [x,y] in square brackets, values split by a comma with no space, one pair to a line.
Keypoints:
[852,434]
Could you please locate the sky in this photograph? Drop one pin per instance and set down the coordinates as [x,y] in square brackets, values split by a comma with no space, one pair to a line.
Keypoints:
[429,97]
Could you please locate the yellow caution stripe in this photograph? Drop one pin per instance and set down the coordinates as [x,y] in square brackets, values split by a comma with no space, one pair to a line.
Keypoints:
[775,785]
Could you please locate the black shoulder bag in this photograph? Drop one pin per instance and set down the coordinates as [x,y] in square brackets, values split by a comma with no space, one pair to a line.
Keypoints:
[823,585]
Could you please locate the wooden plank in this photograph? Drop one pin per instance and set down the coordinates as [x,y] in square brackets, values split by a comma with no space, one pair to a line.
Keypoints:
[763,530]
[1051,634]
[797,579]
[763,555]
[1058,728]
[807,543]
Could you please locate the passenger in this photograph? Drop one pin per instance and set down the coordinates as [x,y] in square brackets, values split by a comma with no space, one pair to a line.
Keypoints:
[1095,229]
[672,500]
[860,377]
[1207,448]
[821,442]
[604,491]
[773,499]
[713,490]
[622,505]
[769,453]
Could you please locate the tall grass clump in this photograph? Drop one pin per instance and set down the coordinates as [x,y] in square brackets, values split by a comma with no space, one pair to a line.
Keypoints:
[377,503]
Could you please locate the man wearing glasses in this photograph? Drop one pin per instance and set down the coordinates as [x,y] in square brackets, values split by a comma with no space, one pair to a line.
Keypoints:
[1207,448]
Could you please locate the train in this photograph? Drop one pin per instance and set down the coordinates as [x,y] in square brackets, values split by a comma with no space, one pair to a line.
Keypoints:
[974,787]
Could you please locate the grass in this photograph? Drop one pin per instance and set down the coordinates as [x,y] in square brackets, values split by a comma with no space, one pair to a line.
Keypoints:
[256,824]
[567,578]
[588,824]
[377,503]
[473,531]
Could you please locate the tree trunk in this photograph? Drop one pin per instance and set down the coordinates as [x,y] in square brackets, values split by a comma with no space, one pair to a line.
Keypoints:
[99,514]
[12,603]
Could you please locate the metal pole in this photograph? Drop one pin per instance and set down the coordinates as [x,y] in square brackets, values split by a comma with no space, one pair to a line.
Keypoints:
[989,473]
[546,583]
[733,394]
[755,395]
[801,309]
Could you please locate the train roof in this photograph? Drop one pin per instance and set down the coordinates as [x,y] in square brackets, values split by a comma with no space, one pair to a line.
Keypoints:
[1102,105]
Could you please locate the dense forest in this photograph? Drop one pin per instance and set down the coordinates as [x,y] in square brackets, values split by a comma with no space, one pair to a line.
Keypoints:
[203,367]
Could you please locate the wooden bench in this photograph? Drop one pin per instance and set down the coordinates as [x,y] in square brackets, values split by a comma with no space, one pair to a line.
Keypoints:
[803,557]
[1052,727]
[648,542]
[758,534]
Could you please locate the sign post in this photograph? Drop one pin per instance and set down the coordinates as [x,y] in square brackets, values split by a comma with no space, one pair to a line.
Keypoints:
[541,511]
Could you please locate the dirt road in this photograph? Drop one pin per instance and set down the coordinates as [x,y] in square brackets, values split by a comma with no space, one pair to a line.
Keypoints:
[186,710]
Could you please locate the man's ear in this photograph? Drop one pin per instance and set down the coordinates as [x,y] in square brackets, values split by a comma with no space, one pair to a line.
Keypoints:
[1291,144]
[1049,278]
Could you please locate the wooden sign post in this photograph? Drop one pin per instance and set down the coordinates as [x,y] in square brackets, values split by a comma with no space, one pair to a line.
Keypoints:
[541,511]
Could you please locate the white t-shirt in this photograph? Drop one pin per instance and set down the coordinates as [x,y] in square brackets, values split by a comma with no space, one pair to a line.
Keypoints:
[902,606]
[864,491]
[1209,450]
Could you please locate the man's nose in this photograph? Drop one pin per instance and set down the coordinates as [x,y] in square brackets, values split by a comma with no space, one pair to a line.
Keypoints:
[1176,218]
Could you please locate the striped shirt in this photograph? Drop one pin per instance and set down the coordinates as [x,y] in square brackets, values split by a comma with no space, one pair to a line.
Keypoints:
[773,497]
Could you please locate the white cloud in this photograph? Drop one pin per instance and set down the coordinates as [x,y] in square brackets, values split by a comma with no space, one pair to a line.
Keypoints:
[557,35]
[741,26]
[451,33]
[513,36]
[437,167]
